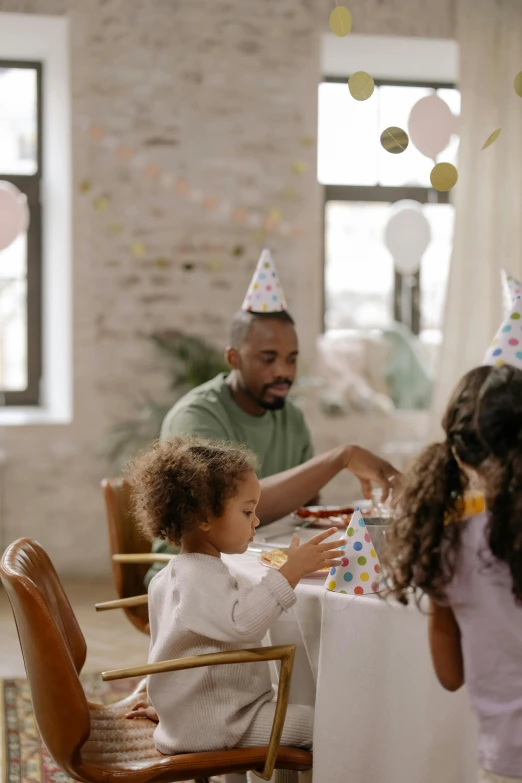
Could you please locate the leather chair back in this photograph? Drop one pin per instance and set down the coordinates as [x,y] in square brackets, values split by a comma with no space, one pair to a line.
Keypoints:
[53,648]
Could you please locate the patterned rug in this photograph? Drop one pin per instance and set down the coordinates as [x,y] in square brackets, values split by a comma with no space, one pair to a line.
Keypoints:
[24,757]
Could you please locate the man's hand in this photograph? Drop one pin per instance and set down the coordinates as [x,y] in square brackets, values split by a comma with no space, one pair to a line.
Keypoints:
[368,468]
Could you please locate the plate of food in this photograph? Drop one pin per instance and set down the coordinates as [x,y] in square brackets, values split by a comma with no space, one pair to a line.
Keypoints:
[275,558]
[329,516]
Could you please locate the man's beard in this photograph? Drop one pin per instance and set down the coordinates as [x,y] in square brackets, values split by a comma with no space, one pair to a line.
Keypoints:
[278,403]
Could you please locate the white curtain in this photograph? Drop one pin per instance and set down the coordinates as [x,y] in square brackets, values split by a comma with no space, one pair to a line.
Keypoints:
[488,196]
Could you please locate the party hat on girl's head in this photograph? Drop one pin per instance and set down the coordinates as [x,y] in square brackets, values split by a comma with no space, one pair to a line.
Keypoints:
[265,294]
[506,348]
[359,572]
[511,288]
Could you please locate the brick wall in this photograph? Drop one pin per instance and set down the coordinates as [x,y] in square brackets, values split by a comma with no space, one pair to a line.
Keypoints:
[218,96]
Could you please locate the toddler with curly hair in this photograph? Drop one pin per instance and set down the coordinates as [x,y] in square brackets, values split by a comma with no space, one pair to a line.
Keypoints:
[471,568]
[203,496]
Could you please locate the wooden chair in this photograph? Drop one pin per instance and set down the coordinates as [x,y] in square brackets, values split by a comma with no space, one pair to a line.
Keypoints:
[130,551]
[93,743]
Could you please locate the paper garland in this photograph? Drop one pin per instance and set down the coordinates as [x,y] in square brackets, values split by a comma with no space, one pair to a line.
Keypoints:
[361,86]
[340,21]
[394,140]
[492,138]
[208,201]
[431,122]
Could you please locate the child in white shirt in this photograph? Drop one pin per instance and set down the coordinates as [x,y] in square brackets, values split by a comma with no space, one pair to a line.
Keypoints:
[203,496]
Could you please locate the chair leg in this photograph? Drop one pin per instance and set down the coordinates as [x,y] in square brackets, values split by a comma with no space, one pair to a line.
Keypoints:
[201,780]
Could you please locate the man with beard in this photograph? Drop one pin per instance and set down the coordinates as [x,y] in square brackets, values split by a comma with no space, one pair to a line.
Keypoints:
[249,405]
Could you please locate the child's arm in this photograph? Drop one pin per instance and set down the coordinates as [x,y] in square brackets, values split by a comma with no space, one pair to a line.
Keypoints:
[446,650]
[226,613]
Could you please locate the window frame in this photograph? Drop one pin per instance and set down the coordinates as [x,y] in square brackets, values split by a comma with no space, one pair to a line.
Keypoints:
[30,185]
[383,193]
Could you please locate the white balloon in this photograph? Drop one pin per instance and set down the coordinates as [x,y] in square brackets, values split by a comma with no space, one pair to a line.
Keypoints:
[14,214]
[407,236]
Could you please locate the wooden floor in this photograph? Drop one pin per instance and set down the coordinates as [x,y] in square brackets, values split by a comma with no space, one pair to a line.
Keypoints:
[112,641]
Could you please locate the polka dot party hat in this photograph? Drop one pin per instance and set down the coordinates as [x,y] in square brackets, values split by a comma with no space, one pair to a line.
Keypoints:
[359,572]
[265,294]
[511,288]
[506,348]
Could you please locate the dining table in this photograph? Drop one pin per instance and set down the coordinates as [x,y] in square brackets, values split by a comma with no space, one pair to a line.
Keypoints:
[364,663]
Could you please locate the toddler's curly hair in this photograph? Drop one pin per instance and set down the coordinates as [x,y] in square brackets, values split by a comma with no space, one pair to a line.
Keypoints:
[178,483]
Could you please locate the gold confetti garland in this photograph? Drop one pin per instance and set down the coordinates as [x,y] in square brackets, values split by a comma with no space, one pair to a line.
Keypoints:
[272,222]
[492,138]
[361,86]
[394,140]
[340,21]
[444,176]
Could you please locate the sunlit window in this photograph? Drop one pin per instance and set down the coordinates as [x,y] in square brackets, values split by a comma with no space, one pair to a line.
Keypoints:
[20,262]
[362,183]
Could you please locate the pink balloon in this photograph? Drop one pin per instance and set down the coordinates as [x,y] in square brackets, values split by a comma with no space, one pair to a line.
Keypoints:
[14,214]
[430,125]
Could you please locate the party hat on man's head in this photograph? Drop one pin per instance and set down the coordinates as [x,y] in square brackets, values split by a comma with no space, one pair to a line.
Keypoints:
[359,572]
[265,294]
[511,288]
[506,348]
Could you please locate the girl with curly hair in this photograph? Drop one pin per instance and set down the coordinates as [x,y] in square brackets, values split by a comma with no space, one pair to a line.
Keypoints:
[203,497]
[471,568]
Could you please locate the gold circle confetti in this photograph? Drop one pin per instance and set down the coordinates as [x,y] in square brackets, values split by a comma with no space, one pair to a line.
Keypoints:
[138,249]
[394,140]
[340,21]
[300,167]
[492,138]
[307,141]
[518,84]
[444,176]
[84,186]
[361,85]
[101,203]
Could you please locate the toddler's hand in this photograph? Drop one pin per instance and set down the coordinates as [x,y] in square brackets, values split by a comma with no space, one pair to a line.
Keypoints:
[142,709]
[317,553]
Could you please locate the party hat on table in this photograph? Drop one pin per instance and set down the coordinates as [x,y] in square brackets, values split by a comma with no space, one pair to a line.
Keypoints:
[265,293]
[506,348]
[359,572]
[511,288]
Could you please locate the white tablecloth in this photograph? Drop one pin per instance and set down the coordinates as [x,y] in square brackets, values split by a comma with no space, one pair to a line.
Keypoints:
[380,714]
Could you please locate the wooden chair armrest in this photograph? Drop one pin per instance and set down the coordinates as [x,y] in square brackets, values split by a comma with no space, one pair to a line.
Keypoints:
[143,558]
[122,603]
[284,653]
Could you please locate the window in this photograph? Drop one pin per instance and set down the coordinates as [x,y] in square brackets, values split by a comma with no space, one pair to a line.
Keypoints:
[362,183]
[20,263]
